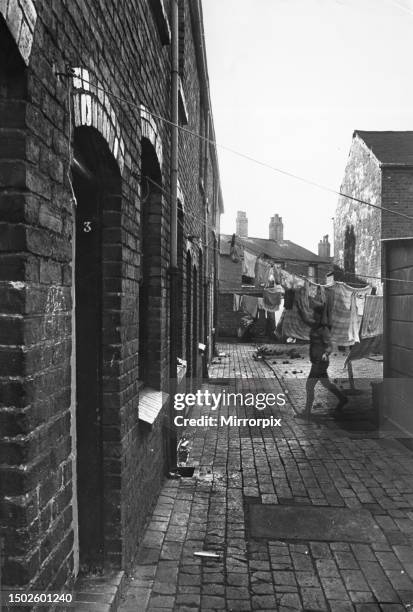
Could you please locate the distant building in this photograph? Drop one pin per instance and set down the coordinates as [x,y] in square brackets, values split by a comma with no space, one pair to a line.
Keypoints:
[380,171]
[291,256]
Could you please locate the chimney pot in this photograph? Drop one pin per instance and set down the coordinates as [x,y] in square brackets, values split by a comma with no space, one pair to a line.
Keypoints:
[242,224]
[276,228]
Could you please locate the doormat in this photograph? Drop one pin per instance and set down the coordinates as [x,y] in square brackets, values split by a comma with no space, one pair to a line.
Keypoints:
[274,522]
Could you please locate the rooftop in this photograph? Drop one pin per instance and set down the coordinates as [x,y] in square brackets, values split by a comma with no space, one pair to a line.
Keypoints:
[389,147]
[283,251]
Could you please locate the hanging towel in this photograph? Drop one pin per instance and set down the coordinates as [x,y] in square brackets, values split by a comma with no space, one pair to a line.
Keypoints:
[296,321]
[249,303]
[248,265]
[342,313]
[263,269]
[272,298]
[354,321]
[237,300]
[372,322]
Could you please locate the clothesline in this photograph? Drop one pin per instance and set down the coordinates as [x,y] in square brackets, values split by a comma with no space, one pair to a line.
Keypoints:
[290,261]
[213,142]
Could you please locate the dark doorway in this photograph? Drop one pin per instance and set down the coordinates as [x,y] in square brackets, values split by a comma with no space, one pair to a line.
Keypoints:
[195,323]
[88,291]
[96,184]
[189,315]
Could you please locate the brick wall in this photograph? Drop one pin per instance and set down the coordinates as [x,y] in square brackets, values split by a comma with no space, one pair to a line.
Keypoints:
[365,178]
[397,195]
[362,179]
[121,49]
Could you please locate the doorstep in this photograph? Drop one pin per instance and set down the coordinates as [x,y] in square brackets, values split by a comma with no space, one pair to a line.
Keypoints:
[98,593]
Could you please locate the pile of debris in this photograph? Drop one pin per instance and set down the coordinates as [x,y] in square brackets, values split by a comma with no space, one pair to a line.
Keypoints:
[265,351]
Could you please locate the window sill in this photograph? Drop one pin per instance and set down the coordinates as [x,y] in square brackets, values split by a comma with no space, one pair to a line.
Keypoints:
[151,403]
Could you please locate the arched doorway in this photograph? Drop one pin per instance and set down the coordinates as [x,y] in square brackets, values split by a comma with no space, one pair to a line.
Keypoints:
[97,188]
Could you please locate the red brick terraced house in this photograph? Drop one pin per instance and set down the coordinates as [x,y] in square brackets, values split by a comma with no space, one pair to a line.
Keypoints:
[102,211]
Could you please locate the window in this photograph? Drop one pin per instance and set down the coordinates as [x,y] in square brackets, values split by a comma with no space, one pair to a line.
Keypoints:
[350,250]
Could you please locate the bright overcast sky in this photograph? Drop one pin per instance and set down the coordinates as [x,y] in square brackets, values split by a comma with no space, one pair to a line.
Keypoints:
[290,82]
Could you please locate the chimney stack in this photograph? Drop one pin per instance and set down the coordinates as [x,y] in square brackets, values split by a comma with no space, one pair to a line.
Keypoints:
[276,228]
[324,247]
[242,224]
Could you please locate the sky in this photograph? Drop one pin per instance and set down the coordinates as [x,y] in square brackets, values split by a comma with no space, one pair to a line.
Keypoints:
[290,82]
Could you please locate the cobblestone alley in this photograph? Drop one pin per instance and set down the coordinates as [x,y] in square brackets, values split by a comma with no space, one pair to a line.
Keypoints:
[247,478]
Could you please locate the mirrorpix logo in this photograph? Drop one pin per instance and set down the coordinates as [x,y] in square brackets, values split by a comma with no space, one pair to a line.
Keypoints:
[224,398]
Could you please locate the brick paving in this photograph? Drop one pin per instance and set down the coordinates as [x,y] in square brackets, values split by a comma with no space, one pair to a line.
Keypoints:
[347,463]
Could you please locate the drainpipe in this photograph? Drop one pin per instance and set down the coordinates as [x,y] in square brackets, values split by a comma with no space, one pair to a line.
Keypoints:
[173,270]
[205,287]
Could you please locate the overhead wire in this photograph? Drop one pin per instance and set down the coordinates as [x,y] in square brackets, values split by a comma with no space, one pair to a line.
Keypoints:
[291,262]
[210,141]
[234,151]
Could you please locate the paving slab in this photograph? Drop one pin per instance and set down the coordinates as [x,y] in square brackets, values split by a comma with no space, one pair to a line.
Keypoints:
[276,522]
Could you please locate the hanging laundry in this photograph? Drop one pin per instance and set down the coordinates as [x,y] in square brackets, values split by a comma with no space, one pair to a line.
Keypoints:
[276,271]
[272,297]
[372,322]
[342,313]
[236,249]
[261,306]
[296,321]
[354,320]
[237,300]
[248,265]
[312,289]
[263,269]
[360,301]
[249,303]
[286,279]
[366,347]
[321,294]
[291,281]
[288,299]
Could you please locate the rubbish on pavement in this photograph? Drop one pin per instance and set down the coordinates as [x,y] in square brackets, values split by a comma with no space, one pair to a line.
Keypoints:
[207,554]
